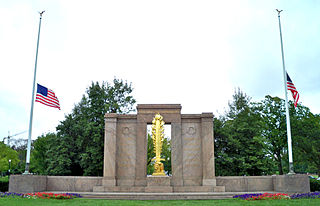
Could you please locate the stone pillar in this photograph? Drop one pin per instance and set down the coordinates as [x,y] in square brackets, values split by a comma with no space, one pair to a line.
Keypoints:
[141,153]
[109,165]
[176,154]
[207,149]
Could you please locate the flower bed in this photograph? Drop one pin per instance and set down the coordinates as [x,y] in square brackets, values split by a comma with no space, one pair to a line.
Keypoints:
[264,196]
[277,196]
[309,195]
[42,195]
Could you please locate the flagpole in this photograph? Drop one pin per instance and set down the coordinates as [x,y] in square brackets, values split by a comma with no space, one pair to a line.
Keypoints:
[26,172]
[291,171]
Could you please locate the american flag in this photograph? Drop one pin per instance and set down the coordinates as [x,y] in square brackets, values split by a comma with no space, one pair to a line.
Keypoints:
[293,90]
[47,97]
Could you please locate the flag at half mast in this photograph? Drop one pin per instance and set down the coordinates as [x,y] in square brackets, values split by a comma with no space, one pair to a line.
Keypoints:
[293,90]
[47,97]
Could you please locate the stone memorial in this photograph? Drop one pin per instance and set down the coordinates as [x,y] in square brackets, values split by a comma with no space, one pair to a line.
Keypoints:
[192,152]
[192,162]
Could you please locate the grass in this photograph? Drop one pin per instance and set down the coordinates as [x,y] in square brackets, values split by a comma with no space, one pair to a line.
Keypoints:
[93,202]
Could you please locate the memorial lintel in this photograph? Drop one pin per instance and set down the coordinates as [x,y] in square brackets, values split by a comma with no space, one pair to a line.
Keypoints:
[159,108]
[111,115]
[122,116]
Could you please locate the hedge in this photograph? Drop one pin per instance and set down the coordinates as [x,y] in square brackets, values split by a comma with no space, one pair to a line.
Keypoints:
[314,185]
[4,184]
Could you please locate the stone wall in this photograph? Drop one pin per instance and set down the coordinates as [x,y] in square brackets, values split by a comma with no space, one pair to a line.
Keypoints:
[279,183]
[27,183]
[276,183]
[36,183]
[72,183]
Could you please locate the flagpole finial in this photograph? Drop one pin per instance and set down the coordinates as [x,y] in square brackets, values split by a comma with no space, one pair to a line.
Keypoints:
[41,13]
[279,11]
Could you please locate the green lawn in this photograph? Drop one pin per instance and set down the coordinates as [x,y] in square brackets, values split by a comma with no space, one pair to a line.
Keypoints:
[92,202]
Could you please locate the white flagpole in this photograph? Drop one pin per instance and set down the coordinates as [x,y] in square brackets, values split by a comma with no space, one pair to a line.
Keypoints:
[26,172]
[291,171]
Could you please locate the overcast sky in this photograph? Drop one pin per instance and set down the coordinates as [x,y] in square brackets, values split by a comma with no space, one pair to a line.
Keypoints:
[194,53]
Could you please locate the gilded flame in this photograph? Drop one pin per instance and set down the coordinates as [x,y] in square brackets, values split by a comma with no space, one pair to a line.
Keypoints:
[157,137]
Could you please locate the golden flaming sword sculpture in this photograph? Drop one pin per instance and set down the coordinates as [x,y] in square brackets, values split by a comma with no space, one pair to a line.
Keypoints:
[157,137]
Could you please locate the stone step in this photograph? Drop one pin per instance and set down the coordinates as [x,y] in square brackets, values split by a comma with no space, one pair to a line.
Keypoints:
[160,196]
[159,189]
[157,196]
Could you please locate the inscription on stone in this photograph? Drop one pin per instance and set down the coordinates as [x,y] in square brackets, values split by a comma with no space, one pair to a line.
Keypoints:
[191,142]
[126,152]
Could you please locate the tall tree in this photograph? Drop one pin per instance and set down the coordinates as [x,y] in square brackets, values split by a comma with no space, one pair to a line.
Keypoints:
[274,128]
[239,145]
[306,139]
[40,154]
[6,154]
[77,148]
[20,145]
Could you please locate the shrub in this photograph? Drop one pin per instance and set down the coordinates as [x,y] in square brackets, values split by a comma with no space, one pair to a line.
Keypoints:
[4,184]
[314,185]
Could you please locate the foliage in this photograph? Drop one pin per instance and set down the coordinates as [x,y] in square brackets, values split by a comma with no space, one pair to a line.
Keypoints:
[239,145]
[250,138]
[314,185]
[20,145]
[40,155]
[4,184]
[265,123]
[306,138]
[6,154]
[77,148]
[272,111]
[305,130]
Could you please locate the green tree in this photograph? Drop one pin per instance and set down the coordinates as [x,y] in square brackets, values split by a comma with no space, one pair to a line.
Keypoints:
[20,145]
[77,148]
[305,127]
[239,145]
[6,154]
[274,128]
[40,155]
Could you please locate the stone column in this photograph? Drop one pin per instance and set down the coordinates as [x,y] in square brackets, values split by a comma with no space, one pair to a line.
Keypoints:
[176,154]
[109,165]
[141,153]
[207,149]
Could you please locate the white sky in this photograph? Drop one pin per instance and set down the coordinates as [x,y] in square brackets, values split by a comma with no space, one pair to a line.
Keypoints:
[194,53]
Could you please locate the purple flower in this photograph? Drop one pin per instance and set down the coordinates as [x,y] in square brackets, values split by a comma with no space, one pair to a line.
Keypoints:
[309,195]
[246,196]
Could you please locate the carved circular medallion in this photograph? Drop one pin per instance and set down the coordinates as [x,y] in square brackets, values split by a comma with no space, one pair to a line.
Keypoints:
[191,131]
[125,130]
